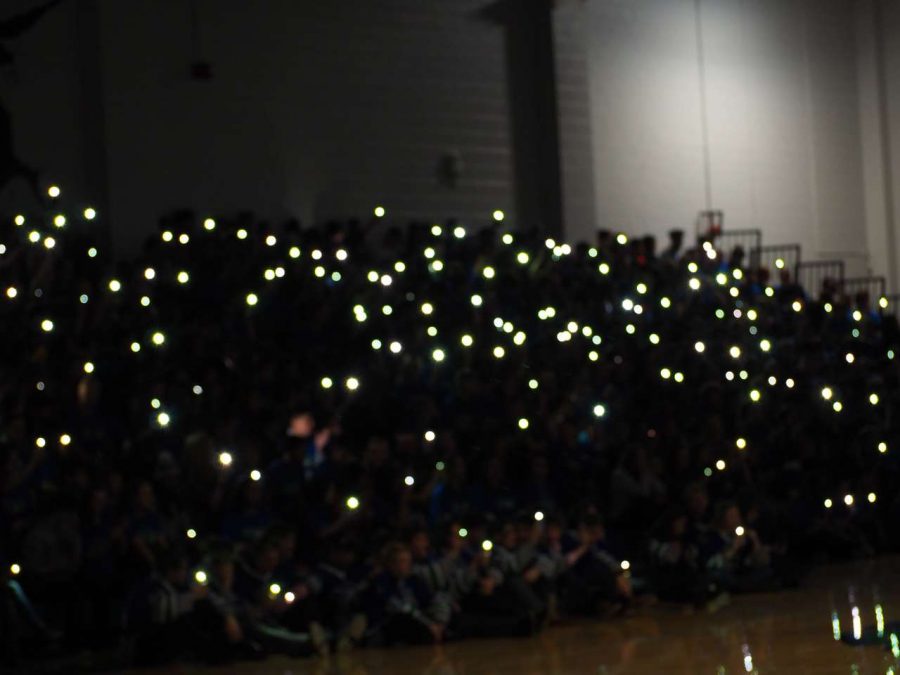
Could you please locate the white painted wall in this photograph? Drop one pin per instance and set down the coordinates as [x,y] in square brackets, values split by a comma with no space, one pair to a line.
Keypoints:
[316,108]
[41,91]
[745,105]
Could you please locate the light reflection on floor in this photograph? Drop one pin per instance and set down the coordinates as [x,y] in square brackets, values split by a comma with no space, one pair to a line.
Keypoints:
[794,632]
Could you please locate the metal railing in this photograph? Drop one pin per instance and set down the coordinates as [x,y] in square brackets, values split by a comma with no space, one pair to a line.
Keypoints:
[821,278]
[864,292]
[737,245]
[776,259]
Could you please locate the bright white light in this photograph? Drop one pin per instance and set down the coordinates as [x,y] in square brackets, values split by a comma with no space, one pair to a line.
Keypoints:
[386,280]
[255,475]
[53,191]
[487,545]
[225,458]
[427,308]
[209,224]
[191,533]
[603,268]
[665,303]
[183,277]
[400,267]
[351,383]
[741,443]
[459,232]
[827,393]
[467,340]
[341,254]
[848,500]
[735,352]
[163,419]
[872,497]
[488,272]
[438,355]
[523,423]
[499,352]
[352,503]
[533,384]
[720,464]
[184,238]
[498,215]
[46,325]
[158,338]
[599,410]
[430,436]
[65,439]
[873,399]
[409,481]
[522,257]
[395,347]
[294,252]
[507,239]
[882,447]
[699,347]
[625,565]
[241,233]
[621,239]
[115,285]
[476,300]
[379,212]
[252,299]
[135,347]
[538,516]
[694,284]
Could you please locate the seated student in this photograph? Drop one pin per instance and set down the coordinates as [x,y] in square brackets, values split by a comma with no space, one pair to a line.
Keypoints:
[162,612]
[674,565]
[597,582]
[734,555]
[401,608]
[430,571]
[264,603]
[339,595]
[223,619]
[554,563]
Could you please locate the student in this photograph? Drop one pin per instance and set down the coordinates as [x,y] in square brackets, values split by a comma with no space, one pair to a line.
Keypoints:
[401,608]
[165,626]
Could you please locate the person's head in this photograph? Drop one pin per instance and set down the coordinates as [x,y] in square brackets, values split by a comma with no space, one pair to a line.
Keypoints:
[727,516]
[696,500]
[173,567]
[266,556]
[398,560]
[453,541]
[528,529]
[285,539]
[419,543]
[144,497]
[222,568]
[553,531]
[507,537]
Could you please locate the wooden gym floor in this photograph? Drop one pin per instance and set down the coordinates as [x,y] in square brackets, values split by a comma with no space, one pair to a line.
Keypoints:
[789,632]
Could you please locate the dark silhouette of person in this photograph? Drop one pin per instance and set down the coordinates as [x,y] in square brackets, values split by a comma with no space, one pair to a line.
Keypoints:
[11,166]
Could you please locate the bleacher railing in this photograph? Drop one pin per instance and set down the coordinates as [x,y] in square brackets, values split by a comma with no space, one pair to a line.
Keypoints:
[821,278]
[776,259]
[864,292]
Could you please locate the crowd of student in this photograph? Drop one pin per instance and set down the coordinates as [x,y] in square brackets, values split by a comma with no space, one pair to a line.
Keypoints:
[254,438]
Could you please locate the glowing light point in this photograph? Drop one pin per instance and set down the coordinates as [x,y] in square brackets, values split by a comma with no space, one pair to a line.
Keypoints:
[352,503]
[53,191]
[163,419]
[379,212]
[256,475]
[46,325]
[487,545]
[65,439]
[848,500]
[741,443]
[498,216]
[466,340]
[599,410]
[251,299]
[699,347]
[88,367]
[352,383]
[625,565]
[523,423]
[158,338]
